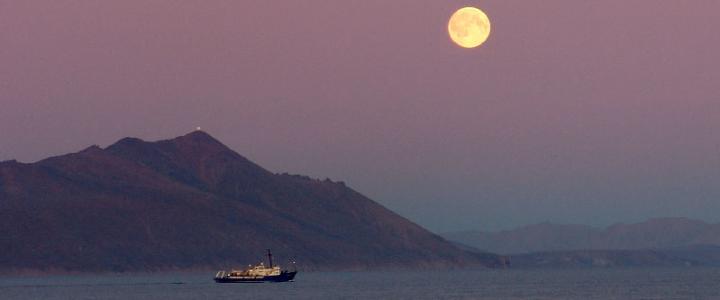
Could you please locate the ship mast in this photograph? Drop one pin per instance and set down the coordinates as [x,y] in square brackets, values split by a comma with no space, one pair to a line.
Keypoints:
[270,258]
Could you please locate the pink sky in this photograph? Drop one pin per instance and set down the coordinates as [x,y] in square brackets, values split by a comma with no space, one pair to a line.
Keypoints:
[574,111]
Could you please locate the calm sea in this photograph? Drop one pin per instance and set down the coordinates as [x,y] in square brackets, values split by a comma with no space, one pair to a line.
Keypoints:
[680,283]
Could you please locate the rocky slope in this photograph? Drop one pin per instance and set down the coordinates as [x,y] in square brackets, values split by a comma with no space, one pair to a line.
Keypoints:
[191,202]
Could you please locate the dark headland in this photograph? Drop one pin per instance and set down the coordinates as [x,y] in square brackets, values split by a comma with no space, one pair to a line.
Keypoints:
[193,203]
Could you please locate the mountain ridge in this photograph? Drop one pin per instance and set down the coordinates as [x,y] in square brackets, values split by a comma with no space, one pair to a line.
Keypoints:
[191,202]
[655,233]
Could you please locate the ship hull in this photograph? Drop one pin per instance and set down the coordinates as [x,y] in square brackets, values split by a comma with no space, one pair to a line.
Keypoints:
[283,277]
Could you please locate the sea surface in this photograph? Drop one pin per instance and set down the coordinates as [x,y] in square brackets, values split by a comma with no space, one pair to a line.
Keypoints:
[671,283]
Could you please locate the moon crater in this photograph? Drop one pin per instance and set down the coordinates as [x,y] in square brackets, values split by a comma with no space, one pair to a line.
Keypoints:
[469,27]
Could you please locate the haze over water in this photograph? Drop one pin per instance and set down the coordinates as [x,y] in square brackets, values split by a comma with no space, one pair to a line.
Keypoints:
[682,283]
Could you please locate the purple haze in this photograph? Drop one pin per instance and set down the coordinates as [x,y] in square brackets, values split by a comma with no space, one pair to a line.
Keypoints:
[574,111]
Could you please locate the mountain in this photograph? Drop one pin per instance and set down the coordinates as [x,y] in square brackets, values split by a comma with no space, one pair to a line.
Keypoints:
[660,233]
[657,242]
[532,238]
[191,202]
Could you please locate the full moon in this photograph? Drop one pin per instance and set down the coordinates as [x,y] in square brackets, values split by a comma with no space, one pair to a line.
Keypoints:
[469,27]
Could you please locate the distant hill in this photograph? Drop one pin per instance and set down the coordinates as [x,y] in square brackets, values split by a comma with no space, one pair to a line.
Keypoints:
[661,233]
[604,259]
[533,238]
[191,202]
[662,242]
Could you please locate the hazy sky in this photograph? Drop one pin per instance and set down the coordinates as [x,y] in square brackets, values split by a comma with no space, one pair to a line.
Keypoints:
[588,112]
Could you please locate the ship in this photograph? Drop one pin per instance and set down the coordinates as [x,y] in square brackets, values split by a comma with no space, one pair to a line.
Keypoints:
[257,273]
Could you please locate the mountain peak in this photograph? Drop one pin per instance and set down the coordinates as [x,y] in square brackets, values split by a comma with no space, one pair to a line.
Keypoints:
[191,202]
[198,136]
[129,141]
[196,159]
[199,141]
